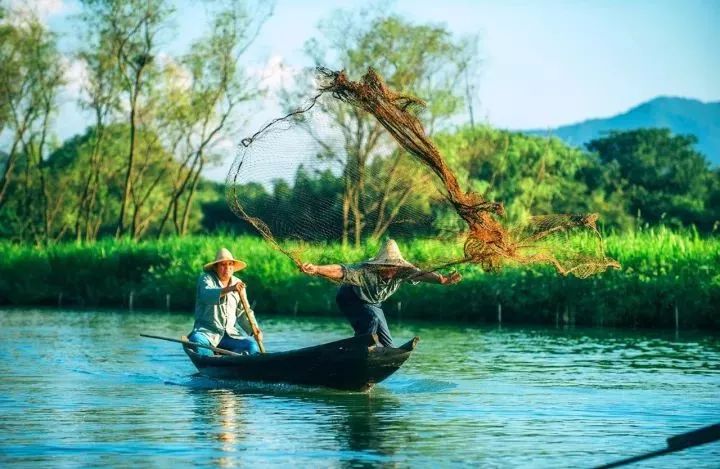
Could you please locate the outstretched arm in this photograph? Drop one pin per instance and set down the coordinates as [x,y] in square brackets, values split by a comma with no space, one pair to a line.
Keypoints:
[432,277]
[330,271]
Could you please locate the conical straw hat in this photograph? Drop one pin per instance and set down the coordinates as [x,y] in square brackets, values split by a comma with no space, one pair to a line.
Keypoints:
[389,255]
[224,255]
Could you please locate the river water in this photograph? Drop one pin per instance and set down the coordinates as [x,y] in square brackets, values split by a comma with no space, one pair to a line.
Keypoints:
[83,389]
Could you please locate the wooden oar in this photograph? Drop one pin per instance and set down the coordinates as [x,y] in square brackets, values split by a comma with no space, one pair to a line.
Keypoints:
[253,323]
[187,342]
[676,443]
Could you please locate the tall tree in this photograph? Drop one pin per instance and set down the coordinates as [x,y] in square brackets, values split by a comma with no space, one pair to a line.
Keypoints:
[102,98]
[18,103]
[132,29]
[70,162]
[10,74]
[30,79]
[422,60]
[203,92]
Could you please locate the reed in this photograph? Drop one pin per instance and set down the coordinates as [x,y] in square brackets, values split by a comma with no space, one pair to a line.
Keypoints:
[661,271]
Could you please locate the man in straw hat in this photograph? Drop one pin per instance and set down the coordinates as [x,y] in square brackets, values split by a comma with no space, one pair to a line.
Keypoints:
[367,284]
[218,307]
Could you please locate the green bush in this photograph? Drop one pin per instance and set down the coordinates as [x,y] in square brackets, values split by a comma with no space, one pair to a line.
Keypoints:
[661,271]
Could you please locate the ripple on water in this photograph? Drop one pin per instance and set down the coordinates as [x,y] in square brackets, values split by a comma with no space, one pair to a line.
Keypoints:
[94,393]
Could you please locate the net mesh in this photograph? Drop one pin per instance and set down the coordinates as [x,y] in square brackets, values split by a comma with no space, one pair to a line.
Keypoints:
[355,165]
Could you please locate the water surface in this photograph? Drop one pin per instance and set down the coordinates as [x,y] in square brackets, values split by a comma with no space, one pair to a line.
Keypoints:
[83,389]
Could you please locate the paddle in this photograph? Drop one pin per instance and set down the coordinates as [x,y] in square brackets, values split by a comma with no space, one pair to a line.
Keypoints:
[676,443]
[187,342]
[253,323]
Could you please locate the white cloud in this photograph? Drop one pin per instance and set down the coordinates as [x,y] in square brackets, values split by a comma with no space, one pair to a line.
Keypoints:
[76,77]
[20,11]
[275,74]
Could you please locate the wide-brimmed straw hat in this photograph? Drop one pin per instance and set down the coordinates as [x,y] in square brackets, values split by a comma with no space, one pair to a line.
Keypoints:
[224,255]
[389,256]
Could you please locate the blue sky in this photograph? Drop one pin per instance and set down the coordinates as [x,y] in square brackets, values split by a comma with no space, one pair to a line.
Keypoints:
[545,63]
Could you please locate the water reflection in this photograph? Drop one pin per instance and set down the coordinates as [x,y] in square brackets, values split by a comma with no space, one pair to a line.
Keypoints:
[228,429]
[217,423]
[358,425]
[364,426]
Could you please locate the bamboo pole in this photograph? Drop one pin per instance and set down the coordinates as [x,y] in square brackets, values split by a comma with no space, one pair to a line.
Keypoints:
[187,342]
[253,323]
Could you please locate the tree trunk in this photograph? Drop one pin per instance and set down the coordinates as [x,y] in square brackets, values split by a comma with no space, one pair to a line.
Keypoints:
[131,155]
[89,189]
[12,157]
[45,196]
[7,172]
[193,188]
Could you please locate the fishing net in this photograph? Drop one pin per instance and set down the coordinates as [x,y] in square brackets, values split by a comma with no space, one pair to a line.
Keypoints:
[355,165]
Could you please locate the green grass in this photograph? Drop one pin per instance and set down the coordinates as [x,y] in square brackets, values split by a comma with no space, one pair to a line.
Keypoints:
[661,271]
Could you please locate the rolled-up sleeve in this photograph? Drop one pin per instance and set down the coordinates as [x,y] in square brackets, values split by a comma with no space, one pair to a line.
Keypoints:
[207,290]
[413,275]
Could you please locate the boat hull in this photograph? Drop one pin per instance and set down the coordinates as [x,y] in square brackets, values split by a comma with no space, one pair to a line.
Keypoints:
[354,364]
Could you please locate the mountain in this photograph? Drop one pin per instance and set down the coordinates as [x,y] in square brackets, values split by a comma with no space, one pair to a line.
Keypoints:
[680,115]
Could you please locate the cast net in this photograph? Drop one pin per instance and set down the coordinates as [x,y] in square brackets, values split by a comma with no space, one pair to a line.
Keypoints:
[355,165]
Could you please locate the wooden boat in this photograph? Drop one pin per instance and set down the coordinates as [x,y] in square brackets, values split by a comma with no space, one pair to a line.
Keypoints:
[354,364]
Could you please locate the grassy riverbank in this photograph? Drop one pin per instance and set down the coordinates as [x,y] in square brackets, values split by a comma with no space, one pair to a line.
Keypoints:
[663,272]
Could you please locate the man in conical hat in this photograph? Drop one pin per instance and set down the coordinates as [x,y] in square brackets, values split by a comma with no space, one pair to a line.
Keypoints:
[367,284]
[218,307]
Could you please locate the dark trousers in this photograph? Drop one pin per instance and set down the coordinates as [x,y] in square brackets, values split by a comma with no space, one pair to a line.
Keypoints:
[365,318]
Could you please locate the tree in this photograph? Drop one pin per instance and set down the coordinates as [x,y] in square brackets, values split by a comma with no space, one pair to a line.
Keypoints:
[661,175]
[69,164]
[529,175]
[102,97]
[30,79]
[131,29]
[199,110]
[421,60]
[10,74]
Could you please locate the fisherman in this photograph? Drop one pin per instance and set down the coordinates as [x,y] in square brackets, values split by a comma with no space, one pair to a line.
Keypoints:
[366,285]
[219,308]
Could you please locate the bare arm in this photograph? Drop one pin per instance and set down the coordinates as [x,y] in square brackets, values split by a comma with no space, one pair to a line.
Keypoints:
[330,271]
[238,286]
[209,293]
[432,277]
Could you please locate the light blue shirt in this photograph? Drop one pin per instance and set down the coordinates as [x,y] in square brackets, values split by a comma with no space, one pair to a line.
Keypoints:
[217,315]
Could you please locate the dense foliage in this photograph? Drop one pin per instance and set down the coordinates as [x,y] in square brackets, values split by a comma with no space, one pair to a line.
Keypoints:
[633,179]
[663,272]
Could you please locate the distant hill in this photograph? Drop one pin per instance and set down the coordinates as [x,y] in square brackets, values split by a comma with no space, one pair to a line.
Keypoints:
[680,115]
